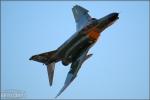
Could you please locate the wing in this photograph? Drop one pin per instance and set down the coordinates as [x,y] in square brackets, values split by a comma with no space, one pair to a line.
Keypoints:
[81,16]
[74,70]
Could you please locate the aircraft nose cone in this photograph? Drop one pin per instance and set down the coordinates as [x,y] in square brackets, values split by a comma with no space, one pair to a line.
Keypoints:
[115,14]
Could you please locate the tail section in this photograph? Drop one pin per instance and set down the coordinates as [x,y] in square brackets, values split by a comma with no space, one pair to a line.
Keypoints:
[49,59]
[46,58]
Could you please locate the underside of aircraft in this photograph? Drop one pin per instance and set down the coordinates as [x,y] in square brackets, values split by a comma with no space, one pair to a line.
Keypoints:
[75,50]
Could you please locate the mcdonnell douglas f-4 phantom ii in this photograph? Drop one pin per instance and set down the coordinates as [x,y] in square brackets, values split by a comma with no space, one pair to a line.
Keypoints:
[75,49]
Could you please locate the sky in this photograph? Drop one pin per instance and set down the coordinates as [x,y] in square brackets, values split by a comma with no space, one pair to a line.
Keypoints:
[118,69]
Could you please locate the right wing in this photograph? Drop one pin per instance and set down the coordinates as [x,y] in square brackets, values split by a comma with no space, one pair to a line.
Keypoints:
[81,16]
[75,66]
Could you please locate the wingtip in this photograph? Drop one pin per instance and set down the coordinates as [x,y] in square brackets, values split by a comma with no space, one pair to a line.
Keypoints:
[59,93]
[57,96]
[75,5]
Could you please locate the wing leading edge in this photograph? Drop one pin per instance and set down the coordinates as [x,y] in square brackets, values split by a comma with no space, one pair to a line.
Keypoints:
[75,66]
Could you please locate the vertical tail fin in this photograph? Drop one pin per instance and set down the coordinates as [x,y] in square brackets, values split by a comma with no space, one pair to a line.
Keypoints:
[50,70]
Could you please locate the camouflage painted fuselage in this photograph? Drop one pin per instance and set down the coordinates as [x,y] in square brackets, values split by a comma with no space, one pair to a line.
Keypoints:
[78,43]
[75,49]
[84,38]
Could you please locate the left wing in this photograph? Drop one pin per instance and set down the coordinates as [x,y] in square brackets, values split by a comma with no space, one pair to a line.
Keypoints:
[75,66]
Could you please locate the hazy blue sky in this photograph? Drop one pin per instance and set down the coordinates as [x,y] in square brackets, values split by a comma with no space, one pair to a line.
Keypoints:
[119,67]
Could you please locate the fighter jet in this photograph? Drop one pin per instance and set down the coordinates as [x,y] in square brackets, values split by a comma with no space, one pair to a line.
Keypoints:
[75,50]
